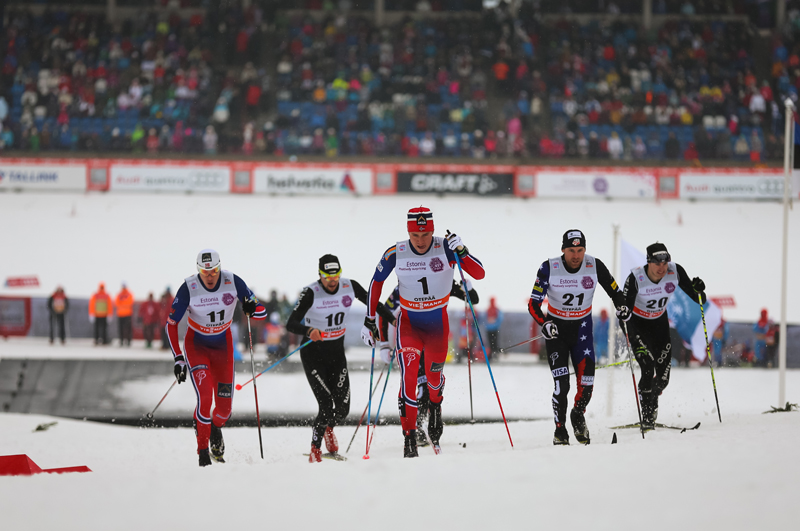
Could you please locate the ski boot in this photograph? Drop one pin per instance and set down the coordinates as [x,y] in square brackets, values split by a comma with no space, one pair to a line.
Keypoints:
[561,436]
[205,459]
[315,456]
[649,410]
[422,416]
[579,426]
[435,425]
[330,441]
[410,448]
[217,444]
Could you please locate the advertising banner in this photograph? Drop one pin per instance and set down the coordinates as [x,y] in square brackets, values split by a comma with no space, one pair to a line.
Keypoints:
[42,175]
[15,316]
[169,178]
[731,186]
[596,183]
[308,180]
[483,183]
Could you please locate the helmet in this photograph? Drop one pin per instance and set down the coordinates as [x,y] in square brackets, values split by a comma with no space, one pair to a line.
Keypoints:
[207,259]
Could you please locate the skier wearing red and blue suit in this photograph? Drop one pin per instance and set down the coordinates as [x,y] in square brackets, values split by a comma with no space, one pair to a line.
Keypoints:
[209,299]
[425,266]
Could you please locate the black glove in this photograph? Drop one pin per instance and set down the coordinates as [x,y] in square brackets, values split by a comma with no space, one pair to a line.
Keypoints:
[369,332]
[698,284]
[624,314]
[180,369]
[549,330]
[249,305]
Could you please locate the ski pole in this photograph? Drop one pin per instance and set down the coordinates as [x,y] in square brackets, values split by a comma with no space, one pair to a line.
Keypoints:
[150,415]
[534,338]
[255,387]
[369,403]
[378,413]
[708,353]
[635,389]
[608,365]
[486,357]
[469,361]
[239,387]
[364,414]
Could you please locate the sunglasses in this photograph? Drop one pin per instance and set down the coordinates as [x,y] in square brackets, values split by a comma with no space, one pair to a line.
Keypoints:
[325,275]
[660,258]
[209,272]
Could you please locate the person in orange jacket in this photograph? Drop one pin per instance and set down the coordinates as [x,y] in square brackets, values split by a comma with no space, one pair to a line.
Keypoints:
[101,310]
[124,303]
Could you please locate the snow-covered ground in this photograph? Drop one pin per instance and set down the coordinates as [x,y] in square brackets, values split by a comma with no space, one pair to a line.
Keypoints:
[741,474]
[151,240]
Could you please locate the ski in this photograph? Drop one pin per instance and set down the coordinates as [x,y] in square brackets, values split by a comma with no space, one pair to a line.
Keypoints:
[657,425]
[331,456]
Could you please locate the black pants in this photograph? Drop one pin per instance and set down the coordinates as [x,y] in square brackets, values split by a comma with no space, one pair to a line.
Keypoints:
[493,339]
[125,330]
[653,351]
[57,322]
[575,341]
[101,330]
[149,333]
[326,369]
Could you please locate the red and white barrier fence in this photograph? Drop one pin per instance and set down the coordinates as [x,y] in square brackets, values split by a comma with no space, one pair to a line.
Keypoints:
[284,178]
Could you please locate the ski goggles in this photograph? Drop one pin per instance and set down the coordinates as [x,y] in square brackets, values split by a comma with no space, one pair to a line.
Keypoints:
[661,257]
[208,272]
[326,276]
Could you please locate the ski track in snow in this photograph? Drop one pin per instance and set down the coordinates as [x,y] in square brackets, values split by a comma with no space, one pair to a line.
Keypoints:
[741,474]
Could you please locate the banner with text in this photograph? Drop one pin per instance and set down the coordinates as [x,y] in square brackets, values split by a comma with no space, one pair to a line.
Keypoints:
[596,184]
[169,178]
[711,185]
[483,183]
[312,181]
[44,175]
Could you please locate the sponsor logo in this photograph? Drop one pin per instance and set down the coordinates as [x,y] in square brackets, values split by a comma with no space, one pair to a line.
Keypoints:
[227,299]
[401,247]
[17,176]
[224,390]
[347,183]
[600,185]
[576,242]
[408,356]
[555,265]
[561,371]
[574,234]
[436,265]
[199,376]
[209,299]
[194,285]
[347,301]
[380,267]
[292,182]
[437,367]
[641,278]
[587,282]
[537,288]
[554,357]
[669,287]
[422,221]
[206,257]
[587,380]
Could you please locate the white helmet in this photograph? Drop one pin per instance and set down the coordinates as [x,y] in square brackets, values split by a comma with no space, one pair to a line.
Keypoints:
[207,259]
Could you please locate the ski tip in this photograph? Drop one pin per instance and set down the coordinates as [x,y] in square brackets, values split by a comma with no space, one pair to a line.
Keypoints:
[614,438]
[365,457]
[238,387]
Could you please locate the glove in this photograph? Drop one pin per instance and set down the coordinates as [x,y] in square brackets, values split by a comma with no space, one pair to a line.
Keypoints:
[180,369]
[249,305]
[455,243]
[698,284]
[386,352]
[549,330]
[369,332]
[624,314]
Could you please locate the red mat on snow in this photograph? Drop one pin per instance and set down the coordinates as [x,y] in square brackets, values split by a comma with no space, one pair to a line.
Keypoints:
[22,465]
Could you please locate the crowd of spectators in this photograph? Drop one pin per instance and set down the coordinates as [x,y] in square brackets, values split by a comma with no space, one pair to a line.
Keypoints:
[486,85]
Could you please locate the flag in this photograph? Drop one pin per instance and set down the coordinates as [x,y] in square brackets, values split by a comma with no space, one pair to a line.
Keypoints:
[683,312]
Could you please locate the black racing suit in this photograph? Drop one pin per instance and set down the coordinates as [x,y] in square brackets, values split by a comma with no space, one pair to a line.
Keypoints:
[575,340]
[325,365]
[651,344]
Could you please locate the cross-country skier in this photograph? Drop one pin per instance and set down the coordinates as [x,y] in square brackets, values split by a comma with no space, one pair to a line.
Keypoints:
[424,265]
[387,345]
[647,291]
[209,298]
[569,281]
[321,315]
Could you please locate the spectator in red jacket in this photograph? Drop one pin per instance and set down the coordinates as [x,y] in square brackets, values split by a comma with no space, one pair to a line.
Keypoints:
[149,313]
